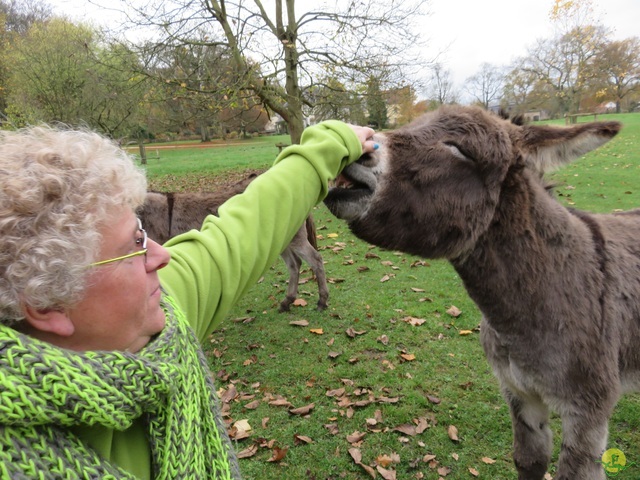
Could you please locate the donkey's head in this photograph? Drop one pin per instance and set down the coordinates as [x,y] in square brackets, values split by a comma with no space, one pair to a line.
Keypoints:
[434,186]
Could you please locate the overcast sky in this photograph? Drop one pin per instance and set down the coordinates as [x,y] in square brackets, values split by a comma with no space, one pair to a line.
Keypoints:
[471,31]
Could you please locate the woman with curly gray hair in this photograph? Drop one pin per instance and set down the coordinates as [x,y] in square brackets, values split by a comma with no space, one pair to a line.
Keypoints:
[101,370]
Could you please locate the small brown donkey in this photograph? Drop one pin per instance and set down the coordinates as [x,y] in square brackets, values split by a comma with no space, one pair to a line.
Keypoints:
[165,215]
[559,289]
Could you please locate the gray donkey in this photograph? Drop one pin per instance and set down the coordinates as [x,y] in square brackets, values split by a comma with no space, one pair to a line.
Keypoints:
[559,289]
[165,215]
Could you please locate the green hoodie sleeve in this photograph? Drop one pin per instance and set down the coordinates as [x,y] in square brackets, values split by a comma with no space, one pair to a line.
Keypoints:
[212,268]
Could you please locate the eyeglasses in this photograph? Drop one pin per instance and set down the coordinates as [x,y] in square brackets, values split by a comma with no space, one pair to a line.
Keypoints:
[139,241]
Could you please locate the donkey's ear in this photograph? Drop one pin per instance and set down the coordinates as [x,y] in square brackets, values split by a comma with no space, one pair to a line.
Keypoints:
[547,147]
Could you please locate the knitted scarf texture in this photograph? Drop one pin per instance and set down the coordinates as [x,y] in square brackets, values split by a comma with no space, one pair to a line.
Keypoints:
[45,390]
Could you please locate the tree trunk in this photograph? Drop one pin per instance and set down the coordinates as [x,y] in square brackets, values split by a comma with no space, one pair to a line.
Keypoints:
[143,151]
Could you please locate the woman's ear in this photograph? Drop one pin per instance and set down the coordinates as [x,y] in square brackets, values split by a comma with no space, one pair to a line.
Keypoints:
[49,321]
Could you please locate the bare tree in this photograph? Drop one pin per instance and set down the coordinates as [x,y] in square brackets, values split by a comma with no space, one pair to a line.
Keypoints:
[278,53]
[486,85]
[440,86]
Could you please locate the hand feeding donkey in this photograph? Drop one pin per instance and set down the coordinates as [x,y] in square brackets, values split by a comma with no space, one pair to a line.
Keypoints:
[165,215]
[559,289]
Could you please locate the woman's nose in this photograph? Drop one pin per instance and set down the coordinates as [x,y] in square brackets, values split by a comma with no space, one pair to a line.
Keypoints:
[157,256]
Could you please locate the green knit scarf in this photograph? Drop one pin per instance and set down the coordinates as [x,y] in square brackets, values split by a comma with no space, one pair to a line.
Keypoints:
[44,390]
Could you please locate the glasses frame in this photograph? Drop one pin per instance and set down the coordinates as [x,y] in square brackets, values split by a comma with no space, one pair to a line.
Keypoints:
[129,255]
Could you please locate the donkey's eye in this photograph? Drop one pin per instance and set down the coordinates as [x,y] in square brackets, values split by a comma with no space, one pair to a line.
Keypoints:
[458,151]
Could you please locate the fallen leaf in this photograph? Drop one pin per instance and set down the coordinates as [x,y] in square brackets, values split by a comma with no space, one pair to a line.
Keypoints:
[386,474]
[351,332]
[386,278]
[242,425]
[356,436]
[252,405]
[338,392]
[474,472]
[409,357]
[332,235]
[317,331]
[452,431]
[300,302]
[407,429]
[444,471]
[488,461]
[300,323]
[454,311]
[278,454]
[465,332]
[248,452]
[414,321]
[280,402]
[298,439]
[302,410]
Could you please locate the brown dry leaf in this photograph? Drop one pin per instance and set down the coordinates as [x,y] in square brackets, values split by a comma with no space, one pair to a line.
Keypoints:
[356,436]
[248,452]
[302,410]
[280,402]
[252,405]
[474,472]
[427,458]
[338,392]
[418,290]
[454,311]
[278,454]
[228,395]
[384,460]
[383,339]
[317,331]
[332,235]
[265,421]
[434,400]
[300,302]
[351,332]
[407,429]
[455,456]
[330,342]
[356,454]
[444,471]
[488,461]
[298,439]
[357,458]
[409,357]
[465,332]
[300,323]
[386,474]
[421,424]
[386,278]
[333,355]
[414,321]
[452,431]
[333,428]
[547,476]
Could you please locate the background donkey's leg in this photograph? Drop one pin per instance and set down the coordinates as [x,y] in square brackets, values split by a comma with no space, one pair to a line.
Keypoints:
[293,263]
[584,440]
[532,437]
[310,255]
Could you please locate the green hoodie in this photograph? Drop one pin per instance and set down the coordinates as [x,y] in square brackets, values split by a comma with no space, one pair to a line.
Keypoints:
[211,269]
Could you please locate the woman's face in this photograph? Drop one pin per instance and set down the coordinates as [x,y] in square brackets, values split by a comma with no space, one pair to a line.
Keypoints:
[121,307]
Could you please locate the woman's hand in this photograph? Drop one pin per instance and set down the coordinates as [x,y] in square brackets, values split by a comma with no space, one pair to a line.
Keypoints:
[365,135]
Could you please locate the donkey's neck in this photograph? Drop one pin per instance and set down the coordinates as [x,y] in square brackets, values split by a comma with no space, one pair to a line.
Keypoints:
[533,247]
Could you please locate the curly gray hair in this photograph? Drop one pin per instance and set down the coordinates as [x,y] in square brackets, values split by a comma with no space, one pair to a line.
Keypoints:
[57,186]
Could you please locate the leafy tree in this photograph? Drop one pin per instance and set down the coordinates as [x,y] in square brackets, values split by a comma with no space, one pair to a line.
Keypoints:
[376,104]
[279,54]
[62,72]
[618,71]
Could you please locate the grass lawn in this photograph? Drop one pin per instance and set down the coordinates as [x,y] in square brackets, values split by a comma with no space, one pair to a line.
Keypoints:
[391,379]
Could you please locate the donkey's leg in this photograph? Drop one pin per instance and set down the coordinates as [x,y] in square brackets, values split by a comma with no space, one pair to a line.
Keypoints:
[293,263]
[532,437]
[314,259]
[584,439]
